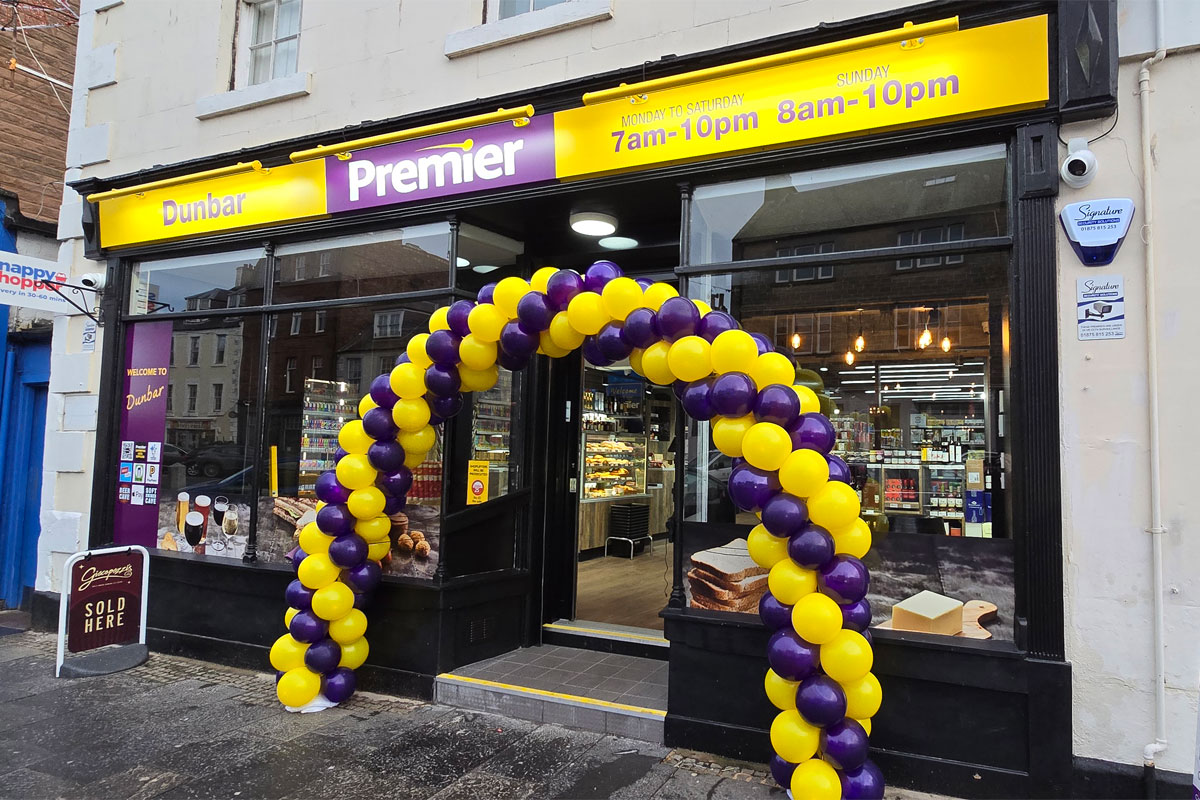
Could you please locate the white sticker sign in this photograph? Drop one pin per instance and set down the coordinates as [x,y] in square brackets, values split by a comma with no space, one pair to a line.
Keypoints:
[1100,308]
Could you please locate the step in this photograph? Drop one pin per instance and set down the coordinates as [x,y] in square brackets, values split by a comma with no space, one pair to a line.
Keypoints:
[593,691]
[608,638]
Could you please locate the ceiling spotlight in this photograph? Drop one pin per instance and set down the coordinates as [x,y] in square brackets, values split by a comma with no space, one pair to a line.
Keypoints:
[593,223]
[824,369]
[618,243]
[796,341]
[945,344]
[850,358]
[484,268]
[462,262]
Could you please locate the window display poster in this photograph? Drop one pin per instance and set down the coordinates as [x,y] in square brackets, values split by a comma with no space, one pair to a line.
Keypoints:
[143,424]
[1100,307]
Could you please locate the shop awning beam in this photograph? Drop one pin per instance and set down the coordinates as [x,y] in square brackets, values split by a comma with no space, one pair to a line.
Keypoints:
[518,116]
[241,166]
[910,33]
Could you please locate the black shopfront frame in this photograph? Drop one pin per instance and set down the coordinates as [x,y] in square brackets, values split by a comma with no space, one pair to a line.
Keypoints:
[962,718]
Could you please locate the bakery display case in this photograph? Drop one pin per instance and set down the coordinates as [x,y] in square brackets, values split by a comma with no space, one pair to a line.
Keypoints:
[614,466]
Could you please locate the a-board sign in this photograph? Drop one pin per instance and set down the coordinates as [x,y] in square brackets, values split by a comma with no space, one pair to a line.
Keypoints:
[104,602]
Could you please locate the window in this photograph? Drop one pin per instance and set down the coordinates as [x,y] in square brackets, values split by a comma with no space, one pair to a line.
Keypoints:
[235,300]
[388,323]
[320,323]
[192,392]
[354,371]
[193,351]
[289,375]
[221,280]
[325,267]
[273,328]
[274,39]
[170,398]
[301,264]
[931,235]
[318,366]
[218,396]
[219,354]
[505,9]
[385,365]
[821,273]
[296,322]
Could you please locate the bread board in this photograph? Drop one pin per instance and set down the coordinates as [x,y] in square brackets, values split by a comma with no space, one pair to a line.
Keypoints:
[975,613]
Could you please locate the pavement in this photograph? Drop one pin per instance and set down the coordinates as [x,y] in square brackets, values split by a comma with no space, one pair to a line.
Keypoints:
[178,728]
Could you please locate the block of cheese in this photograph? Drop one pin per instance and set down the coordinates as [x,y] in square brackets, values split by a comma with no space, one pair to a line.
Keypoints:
[928,612]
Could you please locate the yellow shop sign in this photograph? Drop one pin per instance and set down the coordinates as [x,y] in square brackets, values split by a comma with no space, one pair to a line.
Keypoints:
[955,75]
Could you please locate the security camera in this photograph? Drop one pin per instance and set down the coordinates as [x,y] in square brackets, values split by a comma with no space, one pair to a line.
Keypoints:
[94,280]
[1079,167]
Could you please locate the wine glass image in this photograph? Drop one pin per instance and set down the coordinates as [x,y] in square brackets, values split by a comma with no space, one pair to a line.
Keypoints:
[220,507]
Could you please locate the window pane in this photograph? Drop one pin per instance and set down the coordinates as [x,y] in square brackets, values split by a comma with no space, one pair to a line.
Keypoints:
[854,207]
[496,428]
[510,8]
[260,64]
[404,260]
[178,284]
[288,23]
[264,21]
[285,58]
[538,4]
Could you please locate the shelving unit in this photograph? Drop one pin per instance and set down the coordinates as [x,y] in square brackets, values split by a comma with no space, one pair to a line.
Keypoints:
[491,426]
[327,405]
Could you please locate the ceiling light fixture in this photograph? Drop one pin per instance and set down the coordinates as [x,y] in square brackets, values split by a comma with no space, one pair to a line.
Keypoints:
[484,268]
[945,344]
[796,341]
[860,343]
[593,223]
[850,357]
[618,243]
[462,262]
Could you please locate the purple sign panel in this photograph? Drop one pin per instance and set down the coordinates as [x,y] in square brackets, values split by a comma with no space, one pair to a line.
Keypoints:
[143,424]
[472,160]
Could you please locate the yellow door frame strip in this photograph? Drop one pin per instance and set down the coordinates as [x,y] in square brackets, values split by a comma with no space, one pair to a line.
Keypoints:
[574,698]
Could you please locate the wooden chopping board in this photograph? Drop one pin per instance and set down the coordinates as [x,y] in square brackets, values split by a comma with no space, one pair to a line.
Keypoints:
[975,613]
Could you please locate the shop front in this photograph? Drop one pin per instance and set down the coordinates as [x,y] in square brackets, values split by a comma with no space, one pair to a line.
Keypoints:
[878,203]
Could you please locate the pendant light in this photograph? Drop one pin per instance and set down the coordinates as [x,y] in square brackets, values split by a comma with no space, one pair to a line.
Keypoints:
[945,344]
[860,343]
[850,358]
[796,341]
[926,338]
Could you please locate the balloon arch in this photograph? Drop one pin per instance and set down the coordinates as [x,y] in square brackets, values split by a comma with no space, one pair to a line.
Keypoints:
[811,537]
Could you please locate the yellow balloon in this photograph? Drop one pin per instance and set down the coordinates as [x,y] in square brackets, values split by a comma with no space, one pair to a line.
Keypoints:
[366,404]
[657,294]
[733,351]
[620,296]
[508,293]
[333,601]
[377,550]
[690,358]
[416,351]
[475,353]
[478,380]
[780,691]
[816,780]
[287,653]
[803,472]
[486,321]
[793,738]
[374,529]
[411,415]
[354,653]
[834,506]
[729,432]
[863,698]
[702,307]
[765,549]
[541,279]
[816,618]
[407,381]
[809,402]
[349,627]
[317,571]
[766,446]
[548,347]
[635,361]
[414,460]
[287,616]
[353,438]
[438,321]
[789,581]
[320,504]
[656,364]
[562,334]
[852,540]
[366,503]
[420,441]
[355,471]
[847,657]
[587,314]
[866,723]
[298,687]
[314,540]
[772,368]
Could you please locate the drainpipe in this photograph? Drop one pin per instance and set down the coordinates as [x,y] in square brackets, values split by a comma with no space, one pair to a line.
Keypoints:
[1156,530]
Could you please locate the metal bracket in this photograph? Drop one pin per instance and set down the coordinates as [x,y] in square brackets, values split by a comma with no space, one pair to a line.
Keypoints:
[58,287]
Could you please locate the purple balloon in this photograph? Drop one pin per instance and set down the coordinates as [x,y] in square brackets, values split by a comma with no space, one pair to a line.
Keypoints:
[338,685]
[517,341]
[442,347]
[348,551]
[697,400]
[714,323]
[323,656]
[821,701]
[813,432]
[645,283]
[392,505]
[381,392]
[844,744]
[397,481]
[308,627]
[456,317]
[784,514]
[782,771]
[811,547]
[867,635]
[611,343]
[402,359]
[592,352]
[385,456]
[733,394]
[442,380]
[864,783]
[857,616]
[278,674]
[641,328]
[298,596]
[335,520]
[447,407]
[678,318]
[510,362]
[599,274]
[562,288]
[364,577]
[339,454]
[328,490]
[434,418]
[845,579]
[535,312]
[751,488]
[362,600]
[777,403]
[791,657]
[485,294]
[378,424]
[296,555]
[765,345]
[775,615]
[839,470]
